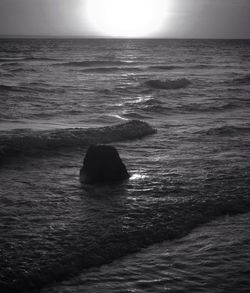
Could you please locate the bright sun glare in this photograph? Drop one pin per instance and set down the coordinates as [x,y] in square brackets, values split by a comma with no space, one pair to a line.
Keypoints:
[126,18]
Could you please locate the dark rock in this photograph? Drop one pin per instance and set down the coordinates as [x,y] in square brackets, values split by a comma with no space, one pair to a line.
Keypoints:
[102,164]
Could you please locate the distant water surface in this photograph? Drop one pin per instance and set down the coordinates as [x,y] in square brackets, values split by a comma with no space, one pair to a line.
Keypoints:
[59,96]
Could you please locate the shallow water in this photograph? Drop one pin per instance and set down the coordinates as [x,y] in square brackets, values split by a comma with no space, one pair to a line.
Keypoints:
[193,170]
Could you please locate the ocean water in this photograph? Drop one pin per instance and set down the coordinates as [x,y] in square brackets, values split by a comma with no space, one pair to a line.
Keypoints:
[178,112]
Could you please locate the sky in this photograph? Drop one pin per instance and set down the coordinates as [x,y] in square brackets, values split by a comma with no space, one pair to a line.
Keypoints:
[183,19]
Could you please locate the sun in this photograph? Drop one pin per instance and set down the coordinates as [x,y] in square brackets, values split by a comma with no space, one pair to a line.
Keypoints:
[126,18]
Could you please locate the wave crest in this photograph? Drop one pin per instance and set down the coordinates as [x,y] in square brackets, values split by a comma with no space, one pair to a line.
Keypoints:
[165,67]
[111,69]
[35,142]
[9,88]
[92,63]
[168,84]
[228,130]
[244,80]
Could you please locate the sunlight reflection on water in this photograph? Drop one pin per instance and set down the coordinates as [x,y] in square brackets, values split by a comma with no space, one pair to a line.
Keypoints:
[138,176]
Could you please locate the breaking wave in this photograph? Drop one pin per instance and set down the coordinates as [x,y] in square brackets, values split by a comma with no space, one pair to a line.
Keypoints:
[35,142]
[168,84]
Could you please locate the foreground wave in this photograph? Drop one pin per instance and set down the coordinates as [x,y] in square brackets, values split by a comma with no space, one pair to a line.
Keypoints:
[35,142]
[93,247]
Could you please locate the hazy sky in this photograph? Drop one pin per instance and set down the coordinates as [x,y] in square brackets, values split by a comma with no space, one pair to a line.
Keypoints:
[185,18]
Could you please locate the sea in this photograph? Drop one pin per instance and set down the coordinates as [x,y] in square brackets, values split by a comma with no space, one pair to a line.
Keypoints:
[178,112]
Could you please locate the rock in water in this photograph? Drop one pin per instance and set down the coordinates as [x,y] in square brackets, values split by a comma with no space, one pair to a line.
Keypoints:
[102,164]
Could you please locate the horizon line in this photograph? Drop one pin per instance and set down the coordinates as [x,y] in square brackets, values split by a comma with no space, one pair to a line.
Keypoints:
[4,36]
